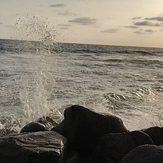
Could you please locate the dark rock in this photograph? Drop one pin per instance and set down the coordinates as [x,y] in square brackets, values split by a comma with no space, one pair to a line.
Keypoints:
[60,128]
[33,127]
[48,122]
[113,147]
[74,157]
[144,154]
[36,147]
[83,128]
[156,133]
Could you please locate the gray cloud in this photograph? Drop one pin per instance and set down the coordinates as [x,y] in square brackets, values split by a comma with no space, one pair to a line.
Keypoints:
[159,18]
[66,13]
[141,31]
[147,23]
[1,23]
[83,21]
[112,30]
[136,18]
[133,27]
[58,5]
[149,31]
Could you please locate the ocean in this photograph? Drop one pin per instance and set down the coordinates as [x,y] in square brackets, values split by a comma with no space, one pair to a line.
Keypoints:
[38,80]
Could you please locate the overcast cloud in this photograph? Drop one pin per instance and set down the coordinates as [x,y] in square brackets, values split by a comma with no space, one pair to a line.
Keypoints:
[83,21]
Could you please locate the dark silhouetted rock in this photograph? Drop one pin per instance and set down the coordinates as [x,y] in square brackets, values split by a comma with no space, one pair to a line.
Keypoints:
[33,127]
[144,154]
[83,128]
[60,128]
[156,133]
[113,147]
[36,147]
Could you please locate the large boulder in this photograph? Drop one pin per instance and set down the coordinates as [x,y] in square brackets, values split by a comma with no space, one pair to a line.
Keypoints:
[114,146]
[36,147]
[83,128]
[144,154]
[156,133]
[60,128]
[33,127]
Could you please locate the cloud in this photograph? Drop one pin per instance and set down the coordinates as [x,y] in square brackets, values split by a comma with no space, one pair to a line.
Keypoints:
[149,31]
[1,23]
[159,18]
[66,13]
[112,30]
[58,5]
[147,23]
[141,31]
[136,18]
[133,27]
[83,21]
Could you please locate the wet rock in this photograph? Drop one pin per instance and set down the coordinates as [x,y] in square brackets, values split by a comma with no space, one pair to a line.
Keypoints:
[33,127]
[144,154]
[113,147]
[156,133]
[36,147]
[83,128]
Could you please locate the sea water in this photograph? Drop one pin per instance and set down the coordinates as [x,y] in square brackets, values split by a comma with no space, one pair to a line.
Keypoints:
[42,78]
[36,81]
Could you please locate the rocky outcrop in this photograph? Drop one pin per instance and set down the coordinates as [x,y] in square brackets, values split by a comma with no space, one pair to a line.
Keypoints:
[156,133]
[83,127]
[113,147]
[83,136]
[144,154]
[36,147]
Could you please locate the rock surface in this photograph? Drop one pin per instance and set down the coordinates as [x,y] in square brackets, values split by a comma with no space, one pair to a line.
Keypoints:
[156,133]
[33,127]
[113,147]
[36,147]
[44,123]
[144,154]
[83,127]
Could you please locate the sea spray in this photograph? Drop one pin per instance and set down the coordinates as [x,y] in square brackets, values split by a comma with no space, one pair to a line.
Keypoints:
[37,86]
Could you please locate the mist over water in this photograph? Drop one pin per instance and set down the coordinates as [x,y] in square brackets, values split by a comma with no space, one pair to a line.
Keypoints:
[44,77]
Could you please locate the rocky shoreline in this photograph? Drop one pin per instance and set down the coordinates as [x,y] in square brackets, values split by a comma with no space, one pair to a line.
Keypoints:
[83,136]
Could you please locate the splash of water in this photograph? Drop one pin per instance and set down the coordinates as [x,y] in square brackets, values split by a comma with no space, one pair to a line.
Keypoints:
[37,85]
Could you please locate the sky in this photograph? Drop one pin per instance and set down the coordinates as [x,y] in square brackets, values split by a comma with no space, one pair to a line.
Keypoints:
[107,22]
